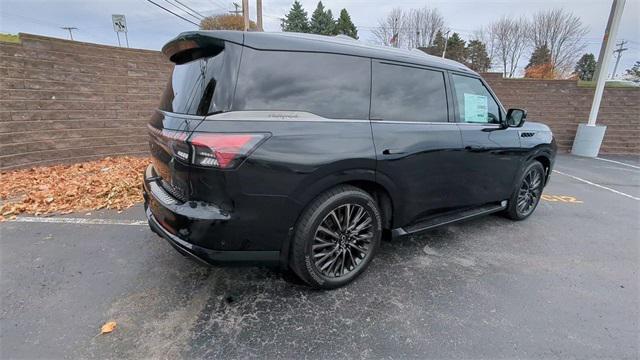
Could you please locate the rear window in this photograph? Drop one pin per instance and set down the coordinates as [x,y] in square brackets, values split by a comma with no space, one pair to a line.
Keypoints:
[328,85]
[403,93]
[203,86]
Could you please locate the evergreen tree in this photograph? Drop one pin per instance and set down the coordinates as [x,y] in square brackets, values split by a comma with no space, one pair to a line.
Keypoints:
[456,48]
[322,21]
[296,20]
[477,57]
[438,45]
[586,67]
[345,26]
[633,74]
[540,56]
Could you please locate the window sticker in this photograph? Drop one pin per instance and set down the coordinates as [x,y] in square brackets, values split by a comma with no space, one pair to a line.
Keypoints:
[476,108]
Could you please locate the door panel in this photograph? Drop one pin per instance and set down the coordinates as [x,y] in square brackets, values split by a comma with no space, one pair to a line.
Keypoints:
[417,148]
[492,152]
[424,162]
[492,161]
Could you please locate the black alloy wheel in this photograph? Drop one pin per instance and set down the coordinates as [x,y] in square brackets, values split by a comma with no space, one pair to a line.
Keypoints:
[527,193]
[336,237]
[342,240]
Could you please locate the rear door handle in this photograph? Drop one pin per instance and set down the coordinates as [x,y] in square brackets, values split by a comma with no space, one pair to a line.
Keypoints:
[392,152]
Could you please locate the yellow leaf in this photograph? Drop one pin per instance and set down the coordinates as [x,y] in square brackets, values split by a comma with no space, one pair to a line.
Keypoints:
[108,327]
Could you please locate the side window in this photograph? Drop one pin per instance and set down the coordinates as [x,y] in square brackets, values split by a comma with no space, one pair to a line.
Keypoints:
[475,103]
[401,93]
[328,85]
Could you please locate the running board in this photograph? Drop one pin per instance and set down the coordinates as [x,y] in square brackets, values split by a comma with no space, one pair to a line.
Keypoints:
[449,218]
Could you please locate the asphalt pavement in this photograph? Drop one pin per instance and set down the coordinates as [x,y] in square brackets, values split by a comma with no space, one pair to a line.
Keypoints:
[562,284]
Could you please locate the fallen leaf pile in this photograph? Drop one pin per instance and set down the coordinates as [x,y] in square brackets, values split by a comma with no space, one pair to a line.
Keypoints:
[109,183]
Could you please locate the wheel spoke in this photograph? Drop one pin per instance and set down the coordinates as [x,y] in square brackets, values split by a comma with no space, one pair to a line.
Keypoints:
[365,224]
[329,232]
[358,248]
[342,240]
[336,221]
[330,262]
[359,214]
[322,246]
[325,257]
[347,215]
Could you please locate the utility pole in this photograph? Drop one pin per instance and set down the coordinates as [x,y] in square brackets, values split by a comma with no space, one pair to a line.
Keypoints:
[259,15]
[245,14]
[444,52]
[236,11]
[619,52]
[69,28]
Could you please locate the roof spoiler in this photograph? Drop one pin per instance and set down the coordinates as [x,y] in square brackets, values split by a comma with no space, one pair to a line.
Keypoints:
[192,45]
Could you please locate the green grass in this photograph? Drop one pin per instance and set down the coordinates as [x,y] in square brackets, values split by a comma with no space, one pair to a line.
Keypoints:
[613,84]
[9,38]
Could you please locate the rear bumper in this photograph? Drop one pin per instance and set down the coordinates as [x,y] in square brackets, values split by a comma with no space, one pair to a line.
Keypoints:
[212,257]
[184,225]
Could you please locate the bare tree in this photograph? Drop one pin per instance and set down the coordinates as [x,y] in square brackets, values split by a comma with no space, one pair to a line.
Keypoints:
[421,26]
[563,33]
[433,22]
[413,28]
[506,41]
[388,31]
[484,35]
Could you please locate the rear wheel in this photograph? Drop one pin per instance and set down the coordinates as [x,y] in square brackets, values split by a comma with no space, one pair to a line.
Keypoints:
[336,237]
[527,194]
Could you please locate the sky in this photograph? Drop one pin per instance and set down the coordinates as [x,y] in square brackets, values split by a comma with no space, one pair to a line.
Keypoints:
[150,27]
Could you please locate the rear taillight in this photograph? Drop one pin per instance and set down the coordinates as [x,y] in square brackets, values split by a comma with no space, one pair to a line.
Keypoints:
[174,141]
[223,150]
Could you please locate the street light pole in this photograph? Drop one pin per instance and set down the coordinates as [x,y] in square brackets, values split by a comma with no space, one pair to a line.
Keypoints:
[589,136]
[446,41]
[607,47]
[259,15]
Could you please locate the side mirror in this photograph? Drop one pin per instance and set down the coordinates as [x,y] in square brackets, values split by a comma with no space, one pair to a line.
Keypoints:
[516,117]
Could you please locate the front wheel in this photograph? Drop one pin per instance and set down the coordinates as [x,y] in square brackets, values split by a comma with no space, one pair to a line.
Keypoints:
[527,194]
[336,237]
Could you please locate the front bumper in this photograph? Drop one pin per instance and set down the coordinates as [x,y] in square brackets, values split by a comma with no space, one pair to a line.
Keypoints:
[184,225]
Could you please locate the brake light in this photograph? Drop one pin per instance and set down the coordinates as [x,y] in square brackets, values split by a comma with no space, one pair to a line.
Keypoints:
[175,141]
[223,150]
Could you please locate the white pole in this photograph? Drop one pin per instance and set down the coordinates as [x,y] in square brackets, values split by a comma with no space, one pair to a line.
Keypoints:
[607,49]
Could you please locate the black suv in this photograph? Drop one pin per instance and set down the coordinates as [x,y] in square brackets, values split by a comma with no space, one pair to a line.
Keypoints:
[303,150]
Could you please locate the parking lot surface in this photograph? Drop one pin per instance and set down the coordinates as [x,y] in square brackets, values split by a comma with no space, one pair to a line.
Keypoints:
[563,283]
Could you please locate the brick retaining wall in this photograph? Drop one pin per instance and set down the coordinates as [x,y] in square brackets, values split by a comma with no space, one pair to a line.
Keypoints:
[562,105]
[67,101]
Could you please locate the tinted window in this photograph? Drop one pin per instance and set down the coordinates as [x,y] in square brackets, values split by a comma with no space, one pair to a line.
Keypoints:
[202,86]
[404,93]
[332,86]
[475,103]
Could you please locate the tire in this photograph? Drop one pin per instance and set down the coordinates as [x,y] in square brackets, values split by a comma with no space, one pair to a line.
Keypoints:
[527,193]
[325,253]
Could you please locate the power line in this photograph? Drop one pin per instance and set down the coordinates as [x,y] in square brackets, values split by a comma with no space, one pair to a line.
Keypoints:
[195,12]
[183,10]
[171,12]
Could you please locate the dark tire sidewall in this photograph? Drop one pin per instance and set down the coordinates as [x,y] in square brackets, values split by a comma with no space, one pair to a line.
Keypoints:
[513,211]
